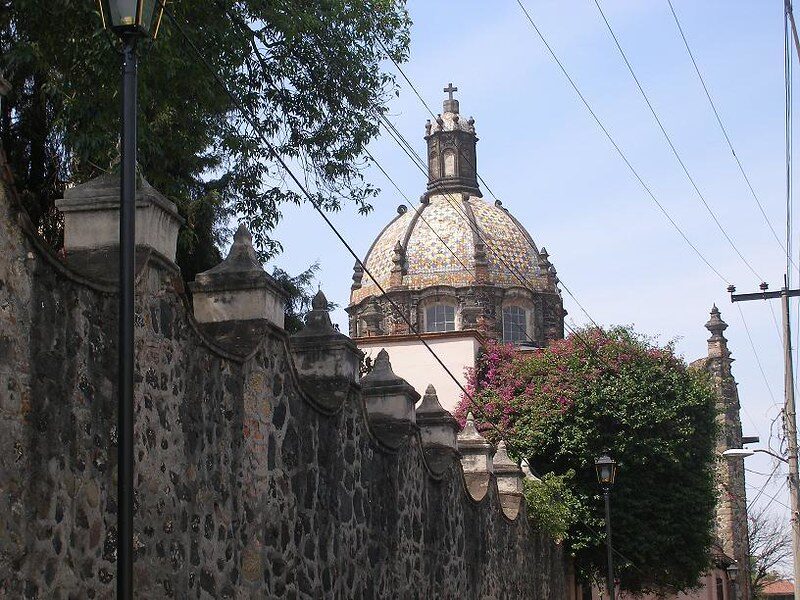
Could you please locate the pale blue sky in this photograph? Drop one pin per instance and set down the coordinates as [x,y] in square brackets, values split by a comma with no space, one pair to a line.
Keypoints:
[543,155]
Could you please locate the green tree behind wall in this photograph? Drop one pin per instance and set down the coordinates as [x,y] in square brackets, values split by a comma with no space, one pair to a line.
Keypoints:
[310,71]
[563,406]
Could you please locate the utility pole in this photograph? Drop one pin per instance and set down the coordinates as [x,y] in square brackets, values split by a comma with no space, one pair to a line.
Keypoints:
[790,420]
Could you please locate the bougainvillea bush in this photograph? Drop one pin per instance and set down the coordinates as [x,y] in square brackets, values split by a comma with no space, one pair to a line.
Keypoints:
[560,407]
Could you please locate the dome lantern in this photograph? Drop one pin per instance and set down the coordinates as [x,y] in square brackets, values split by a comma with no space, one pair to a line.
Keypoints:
[452,159]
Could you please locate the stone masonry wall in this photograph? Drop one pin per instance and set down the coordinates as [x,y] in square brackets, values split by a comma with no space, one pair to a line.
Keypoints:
[243,488]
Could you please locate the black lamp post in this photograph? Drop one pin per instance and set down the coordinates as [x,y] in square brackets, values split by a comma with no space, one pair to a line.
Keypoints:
[733,571]
[130,20]
[606,472]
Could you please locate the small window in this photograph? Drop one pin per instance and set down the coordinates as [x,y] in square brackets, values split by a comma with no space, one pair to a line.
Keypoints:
[720,589]
[440,317]
[434,163]
[449,163]
[515,325]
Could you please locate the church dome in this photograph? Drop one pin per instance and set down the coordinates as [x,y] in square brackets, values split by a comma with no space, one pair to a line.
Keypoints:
[454,240]
[456,264]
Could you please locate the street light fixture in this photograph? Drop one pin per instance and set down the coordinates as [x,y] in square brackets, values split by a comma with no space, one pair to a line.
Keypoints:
[745,452]
[606,471]
[606,474]
[130,20]
[794,493]
[126,17]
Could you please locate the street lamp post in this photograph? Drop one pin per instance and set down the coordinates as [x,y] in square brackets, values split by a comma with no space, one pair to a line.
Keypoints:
[130,20]
[733,571]
[606,473]
[794,493]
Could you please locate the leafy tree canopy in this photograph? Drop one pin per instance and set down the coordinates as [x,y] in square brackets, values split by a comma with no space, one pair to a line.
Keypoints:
[616,391]
[309,71]
[300,291]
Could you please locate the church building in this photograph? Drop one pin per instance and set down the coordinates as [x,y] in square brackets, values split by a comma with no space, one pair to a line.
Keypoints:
[459,268]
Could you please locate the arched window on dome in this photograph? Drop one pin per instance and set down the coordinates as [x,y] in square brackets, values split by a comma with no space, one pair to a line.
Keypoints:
[449,163]
[440,317]
[515,325]
[434,164]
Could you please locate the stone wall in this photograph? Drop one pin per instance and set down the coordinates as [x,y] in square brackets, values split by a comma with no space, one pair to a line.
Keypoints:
[252,481]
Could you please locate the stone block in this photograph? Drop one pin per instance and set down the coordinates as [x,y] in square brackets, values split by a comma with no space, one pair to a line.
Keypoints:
[328,362]
[509,478]
[476,458]
[238,289]
[91,223]
[390,402]
[438,430]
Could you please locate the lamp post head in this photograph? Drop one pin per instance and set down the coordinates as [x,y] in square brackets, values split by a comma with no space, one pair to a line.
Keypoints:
[132,17]
[738,453]
[745,452]
[733,570]
[606,471]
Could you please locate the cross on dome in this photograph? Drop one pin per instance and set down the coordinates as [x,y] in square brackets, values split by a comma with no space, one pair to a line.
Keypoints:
[450,89]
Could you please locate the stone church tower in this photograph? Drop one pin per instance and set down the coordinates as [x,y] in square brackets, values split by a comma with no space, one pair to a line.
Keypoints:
[731,521]
[461,270]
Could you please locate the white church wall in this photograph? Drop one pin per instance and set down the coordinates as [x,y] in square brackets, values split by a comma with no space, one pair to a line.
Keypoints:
[414,363]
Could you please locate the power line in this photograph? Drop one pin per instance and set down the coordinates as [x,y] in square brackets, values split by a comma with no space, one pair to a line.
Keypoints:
[480,178]
[771,499]
[671,144]
[617,147]
[723,129]
[251,119]
[755,353]
[408,148]
[763,487]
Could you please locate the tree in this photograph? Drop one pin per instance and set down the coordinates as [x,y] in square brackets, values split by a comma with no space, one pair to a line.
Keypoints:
[309,72]
[300,292]
[615,391]
[770,548]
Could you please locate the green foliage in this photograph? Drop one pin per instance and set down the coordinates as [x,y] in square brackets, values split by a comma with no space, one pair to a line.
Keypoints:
[310,71]
[563,406]
[551,504]
[301,292]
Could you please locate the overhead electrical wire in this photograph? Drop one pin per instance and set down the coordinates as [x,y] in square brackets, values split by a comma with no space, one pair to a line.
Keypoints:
[671,144]
[755,353]
[250,119]
[279,159]
[724,129]
[253,123]
[618,149]
[418,161]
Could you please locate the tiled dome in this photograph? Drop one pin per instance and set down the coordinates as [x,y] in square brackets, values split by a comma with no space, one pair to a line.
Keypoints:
[410,243]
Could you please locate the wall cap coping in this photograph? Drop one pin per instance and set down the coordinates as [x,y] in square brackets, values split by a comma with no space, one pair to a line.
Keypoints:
[383,379]
[240,270]
[103,193]
[470,438]
[431,412]
[502,463]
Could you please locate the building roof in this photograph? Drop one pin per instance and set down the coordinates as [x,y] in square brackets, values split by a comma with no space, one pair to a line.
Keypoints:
[464,223]
[780,587]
